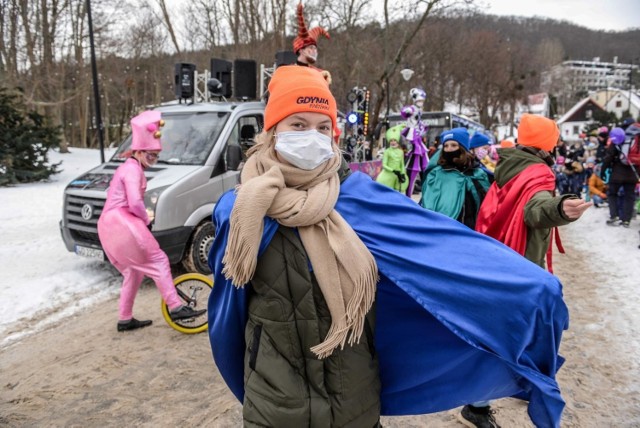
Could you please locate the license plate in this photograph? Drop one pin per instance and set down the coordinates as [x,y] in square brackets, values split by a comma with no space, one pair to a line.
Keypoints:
[89,252]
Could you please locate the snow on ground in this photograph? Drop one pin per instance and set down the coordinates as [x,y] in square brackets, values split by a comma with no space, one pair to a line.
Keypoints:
[39,277]
[41,282]
[613,253]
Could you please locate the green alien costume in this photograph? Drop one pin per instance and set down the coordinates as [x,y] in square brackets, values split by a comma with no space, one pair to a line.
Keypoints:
[394,174]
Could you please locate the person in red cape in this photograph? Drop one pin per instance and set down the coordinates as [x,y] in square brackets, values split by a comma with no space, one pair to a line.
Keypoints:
[520,209]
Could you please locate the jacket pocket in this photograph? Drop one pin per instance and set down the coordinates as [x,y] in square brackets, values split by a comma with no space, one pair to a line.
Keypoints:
[269,374]
[255,345]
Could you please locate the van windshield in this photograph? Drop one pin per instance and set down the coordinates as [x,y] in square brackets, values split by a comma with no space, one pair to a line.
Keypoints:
[187,138]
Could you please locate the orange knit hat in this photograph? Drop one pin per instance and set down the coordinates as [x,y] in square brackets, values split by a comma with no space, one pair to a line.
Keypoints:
[537,131]
[295,89]
[507,144]
[306,38]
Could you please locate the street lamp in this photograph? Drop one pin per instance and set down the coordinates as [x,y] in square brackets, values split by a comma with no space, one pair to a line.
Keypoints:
[96,92]
[406,73]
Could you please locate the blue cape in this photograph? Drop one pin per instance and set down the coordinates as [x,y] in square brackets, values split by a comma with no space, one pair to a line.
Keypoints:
[447,333]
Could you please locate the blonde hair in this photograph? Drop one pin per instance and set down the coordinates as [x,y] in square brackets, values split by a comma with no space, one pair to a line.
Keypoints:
[262,139]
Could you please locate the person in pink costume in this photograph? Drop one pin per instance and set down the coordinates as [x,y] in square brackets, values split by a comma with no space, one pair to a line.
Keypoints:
[123,227]
[417,158]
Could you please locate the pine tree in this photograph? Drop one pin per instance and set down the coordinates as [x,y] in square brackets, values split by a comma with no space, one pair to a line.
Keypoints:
[25,139]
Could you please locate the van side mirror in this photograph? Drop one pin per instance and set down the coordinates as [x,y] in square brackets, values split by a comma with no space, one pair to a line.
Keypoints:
[233,157]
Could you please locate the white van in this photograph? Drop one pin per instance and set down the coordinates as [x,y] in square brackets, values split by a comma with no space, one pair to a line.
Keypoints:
[203,146]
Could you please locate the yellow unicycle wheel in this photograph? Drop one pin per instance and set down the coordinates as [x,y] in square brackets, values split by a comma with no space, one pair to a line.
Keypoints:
[193,290]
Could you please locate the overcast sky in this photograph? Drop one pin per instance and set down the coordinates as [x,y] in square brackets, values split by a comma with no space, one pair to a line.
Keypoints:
[610,15]
[614,15]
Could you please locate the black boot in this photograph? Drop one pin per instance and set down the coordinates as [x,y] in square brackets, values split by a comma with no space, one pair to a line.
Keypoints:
[132,324]
[184,312]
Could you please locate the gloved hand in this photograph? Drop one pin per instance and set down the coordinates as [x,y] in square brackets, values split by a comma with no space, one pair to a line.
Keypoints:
[401,176]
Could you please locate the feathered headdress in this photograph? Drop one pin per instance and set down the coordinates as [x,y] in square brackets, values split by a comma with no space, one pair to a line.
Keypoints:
[306,37]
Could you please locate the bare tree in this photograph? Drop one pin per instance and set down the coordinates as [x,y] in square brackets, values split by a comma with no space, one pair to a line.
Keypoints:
[231,12]
[278,14]
[345,15]
[28,16]
[9,25]
[166,20]
[549,52]
[205,29]
[487,72]
[422,8]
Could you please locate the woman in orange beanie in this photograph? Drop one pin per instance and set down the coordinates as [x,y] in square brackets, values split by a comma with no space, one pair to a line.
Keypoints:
[296,316]
[328,311]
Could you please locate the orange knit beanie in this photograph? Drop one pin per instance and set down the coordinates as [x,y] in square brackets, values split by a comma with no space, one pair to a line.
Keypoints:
[537,131]
[295,89]
[507,144]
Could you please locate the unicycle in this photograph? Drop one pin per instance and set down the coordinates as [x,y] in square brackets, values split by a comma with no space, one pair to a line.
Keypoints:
[193,290]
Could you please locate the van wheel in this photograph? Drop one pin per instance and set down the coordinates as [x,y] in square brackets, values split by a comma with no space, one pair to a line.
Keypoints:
[197,257]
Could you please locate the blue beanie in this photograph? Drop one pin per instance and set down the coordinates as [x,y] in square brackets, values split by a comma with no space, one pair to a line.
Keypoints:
[459,135]
[478,140]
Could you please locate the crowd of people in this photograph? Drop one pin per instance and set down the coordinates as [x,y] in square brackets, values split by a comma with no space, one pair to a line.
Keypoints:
[595,166]
[592,167]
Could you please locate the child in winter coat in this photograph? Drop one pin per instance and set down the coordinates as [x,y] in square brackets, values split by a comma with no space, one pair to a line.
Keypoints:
[597,187]
[480,146]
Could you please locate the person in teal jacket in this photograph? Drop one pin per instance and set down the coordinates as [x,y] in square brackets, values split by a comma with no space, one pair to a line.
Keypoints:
[457,185]
[393,172]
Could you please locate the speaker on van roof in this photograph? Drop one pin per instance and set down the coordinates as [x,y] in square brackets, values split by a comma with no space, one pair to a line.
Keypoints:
[245,78]
[221,70]
[285,58]
[184,84]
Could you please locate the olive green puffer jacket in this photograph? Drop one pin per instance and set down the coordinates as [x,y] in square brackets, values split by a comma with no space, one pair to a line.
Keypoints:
[286,385]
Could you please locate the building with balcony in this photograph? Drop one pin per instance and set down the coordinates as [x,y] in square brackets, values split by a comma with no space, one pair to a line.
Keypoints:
[573,80]
[589,75]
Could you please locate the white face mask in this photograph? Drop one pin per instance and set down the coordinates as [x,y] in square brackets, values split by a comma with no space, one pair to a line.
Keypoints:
[304,149]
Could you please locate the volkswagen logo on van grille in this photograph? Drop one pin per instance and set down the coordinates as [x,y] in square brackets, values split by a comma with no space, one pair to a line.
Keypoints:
[86,212]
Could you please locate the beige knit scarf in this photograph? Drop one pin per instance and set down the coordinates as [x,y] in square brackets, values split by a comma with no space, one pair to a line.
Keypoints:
[345,269]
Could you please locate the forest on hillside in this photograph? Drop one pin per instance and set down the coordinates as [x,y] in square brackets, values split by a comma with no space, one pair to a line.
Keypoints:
[458,54]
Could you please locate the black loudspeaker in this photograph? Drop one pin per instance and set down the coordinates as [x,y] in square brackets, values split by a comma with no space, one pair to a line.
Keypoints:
[221,70]
[285,58]
[184,80]
[244,76]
